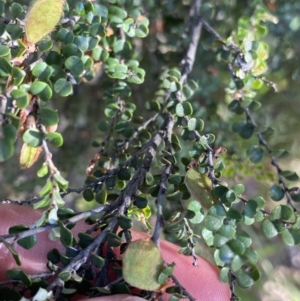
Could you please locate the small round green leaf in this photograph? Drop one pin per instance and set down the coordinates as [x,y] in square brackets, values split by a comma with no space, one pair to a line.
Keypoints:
[116,14]
[43,171]
[237,246]
[287,237]
[141,201]
[33,137]
[268,228]
[296,235]
[280,153]
[63,87]
[82,43]
[124,174]
[125,222]
[111,110]
[5,67]
[235,106]
[88,195]
[224,274]
[175,196]
[290,175]
[98,261]
[64,35]
[259,201]
[244,238]
[17,274]
[237,126]
[42,90]
[250,208]
[230,196]
[66,236]
[4,50]
[195,124]
[142,31]
[65,275]
[247,131]
[234,214]
[283,212]
[101,197]
[75,65]
[16,31]
[54,58]
[18,76]
[48,116]
[213,223]
[55,139]
[17,229]
[111,182]
[255,153]
[42,71]
[113,240]
[238,189]
[276,193]
[61,181]
[195,207]
[184,109]
[226,254]
[44,45]
[208,236]
[85,240]
[246,279]
[21,98]
[54,256]
[13,252]
[27,242]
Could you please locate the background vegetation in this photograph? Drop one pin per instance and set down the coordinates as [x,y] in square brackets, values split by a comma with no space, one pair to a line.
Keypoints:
[235,113]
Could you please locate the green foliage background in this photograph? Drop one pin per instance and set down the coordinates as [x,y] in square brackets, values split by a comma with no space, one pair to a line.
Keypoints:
[275,24]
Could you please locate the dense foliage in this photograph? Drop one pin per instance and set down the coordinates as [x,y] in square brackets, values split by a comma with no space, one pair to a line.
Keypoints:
[172,96]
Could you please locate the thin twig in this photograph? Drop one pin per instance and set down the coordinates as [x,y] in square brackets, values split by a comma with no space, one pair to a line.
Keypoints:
[212,31]
[211,171]
[267,82]
[182,289]
[191,242]
[96,182]
[106,139]
[264,143]
[188,60]
[149,151]
[112,283]
[238,53]
[232,282]
[83,255]
[48,154]
[132,186]
[45,275]
[3,104]
[163,181]
[137,131]
[122,202]
[11,238]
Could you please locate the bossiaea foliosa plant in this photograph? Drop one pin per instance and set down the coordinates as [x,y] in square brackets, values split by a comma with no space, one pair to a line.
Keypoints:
[162,159]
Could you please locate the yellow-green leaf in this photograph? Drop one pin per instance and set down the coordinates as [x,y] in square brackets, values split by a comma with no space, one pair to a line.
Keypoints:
[42,18]
[29,155]
[142,264]
[199,186]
